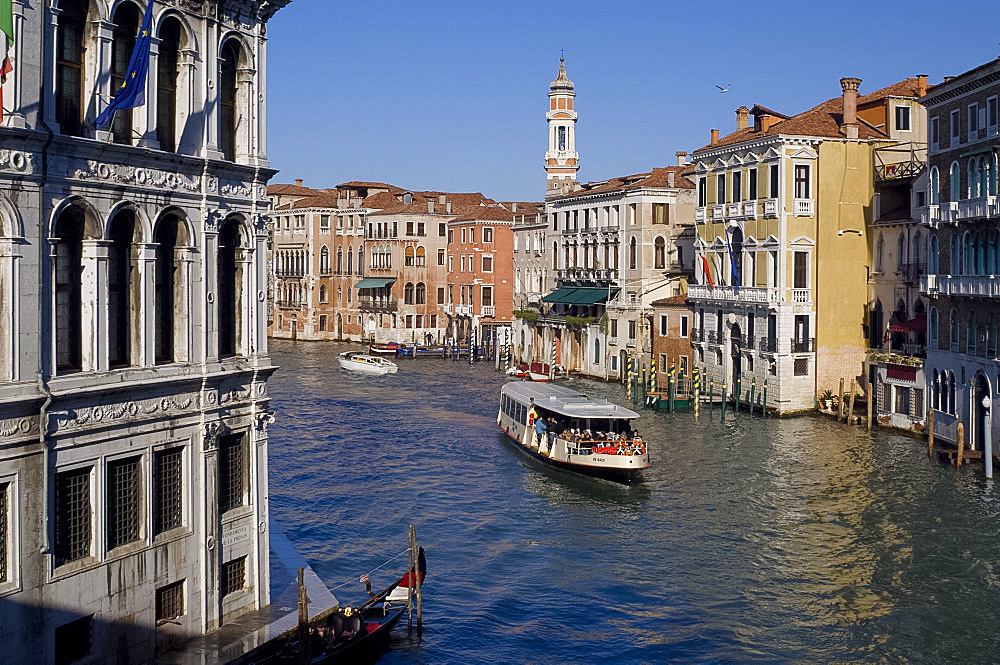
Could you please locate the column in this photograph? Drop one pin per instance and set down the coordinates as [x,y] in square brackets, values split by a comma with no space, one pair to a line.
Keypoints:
[93,300]
[14,88]
[50,39]
[211,615]
[262,89]
[144,338]
[245,113]
[146,115]
[259,296]
[8,310]
[105,34]
[259,481]
[187,93]
[209,266]
[210,113]
[246,303]
[184,311]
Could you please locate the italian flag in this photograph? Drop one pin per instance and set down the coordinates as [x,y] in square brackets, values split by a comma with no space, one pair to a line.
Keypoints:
[6,45]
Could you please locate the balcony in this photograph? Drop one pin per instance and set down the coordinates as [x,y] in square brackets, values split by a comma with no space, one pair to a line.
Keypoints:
[630,342]
[986,286]
[732,294]
[803,207]
[901,161]
[289,304]
[983,207]
[718,212]
[586,274]
[801,295]
[770,207]
[767,345]
[949,212]
[804,345]
[700,215]
[750,209]
[930,216]
[697,335]
[912,272]
[612,341]
[370,304]
[463,310]
[488,310]
[733,210]
[447,307]
[715,337]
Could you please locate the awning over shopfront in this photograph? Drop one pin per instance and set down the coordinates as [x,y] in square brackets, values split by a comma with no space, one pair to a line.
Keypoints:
[580,295]
[375,282]
[917,325]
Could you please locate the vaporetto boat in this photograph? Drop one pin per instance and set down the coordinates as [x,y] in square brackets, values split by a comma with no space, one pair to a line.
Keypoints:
[361,362]
[585,435]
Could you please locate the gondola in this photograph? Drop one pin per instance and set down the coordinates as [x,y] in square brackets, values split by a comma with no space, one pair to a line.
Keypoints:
[344,634]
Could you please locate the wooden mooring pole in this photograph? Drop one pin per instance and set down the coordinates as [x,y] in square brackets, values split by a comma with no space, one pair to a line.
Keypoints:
[850,414]
[870,405]
[961,445]
[304,643]
[415,578]
[840,402]
[753,393]
[723,401]
[411,555]
[764,405]
[930,432]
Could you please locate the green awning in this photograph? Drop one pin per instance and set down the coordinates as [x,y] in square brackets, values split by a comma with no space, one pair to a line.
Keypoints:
[976,152]
[375,282]
[592,296]
[559,295]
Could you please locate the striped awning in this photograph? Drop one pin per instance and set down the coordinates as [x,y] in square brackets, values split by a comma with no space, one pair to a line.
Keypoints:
[375,282]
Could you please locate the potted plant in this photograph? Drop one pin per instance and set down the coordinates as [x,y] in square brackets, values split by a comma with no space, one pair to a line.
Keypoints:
[825,399]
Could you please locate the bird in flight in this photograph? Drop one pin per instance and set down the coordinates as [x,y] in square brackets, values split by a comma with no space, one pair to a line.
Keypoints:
[726,89]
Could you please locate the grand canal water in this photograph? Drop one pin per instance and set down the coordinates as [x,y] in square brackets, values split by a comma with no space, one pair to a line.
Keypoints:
[768,541]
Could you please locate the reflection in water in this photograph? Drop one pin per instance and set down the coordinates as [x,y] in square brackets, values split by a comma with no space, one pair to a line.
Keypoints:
[749,541]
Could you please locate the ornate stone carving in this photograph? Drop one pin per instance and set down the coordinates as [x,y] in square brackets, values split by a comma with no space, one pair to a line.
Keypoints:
[15,428]
[136,175]
[234,189]
[16,160]
[235,395]
[212,220]
[122,411]
[262,419]
[212,433]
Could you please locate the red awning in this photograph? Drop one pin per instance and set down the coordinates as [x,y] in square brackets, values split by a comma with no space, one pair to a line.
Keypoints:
[917,325]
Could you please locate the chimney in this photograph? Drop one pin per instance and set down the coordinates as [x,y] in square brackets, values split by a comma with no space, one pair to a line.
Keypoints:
[921,85]
[447,207]
[715,137]
[298,182]
[850,122]
[670,178]
[681,158]
[742,117]
[513,206]
[430,206]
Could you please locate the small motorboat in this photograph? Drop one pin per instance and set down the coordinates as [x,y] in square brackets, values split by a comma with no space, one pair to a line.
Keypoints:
[358,361]
[390,349]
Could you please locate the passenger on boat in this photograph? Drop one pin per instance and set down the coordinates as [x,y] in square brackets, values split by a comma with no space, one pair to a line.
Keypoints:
[540,426]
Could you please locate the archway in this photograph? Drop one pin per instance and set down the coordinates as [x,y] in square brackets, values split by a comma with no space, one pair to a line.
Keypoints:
[981,423]
[735,341]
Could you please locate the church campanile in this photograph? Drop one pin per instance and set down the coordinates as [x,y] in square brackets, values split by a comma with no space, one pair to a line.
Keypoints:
[561,159]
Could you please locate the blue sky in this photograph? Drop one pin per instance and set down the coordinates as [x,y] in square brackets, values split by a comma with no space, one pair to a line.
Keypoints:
[452,95]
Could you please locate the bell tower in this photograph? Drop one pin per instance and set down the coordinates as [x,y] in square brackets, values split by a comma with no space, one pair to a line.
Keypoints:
[561,159]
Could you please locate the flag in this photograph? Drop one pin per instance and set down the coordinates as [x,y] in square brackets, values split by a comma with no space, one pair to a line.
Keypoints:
[732,265]
[6,45]
[132,92]
[708,272]
[364,578]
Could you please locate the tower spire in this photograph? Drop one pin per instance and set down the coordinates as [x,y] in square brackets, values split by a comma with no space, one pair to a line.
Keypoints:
[561,159]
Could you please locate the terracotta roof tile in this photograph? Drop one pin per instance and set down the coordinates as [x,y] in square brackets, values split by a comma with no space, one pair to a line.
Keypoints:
[291,190]
[658,177]
[672,300]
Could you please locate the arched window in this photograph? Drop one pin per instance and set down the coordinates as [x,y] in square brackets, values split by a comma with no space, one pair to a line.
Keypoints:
[408,256]
[421,256]
[932,327]
[632,261]
[951,393]
[69,65]
[936,392]
[956,263]
[121,231]
[900,252]
[323,294]
[932,256]
[597,351]
[361,259]
[408,294]
[350,260]
[126,19]
[349,291]
[935,186]
[340,260]
[227,99]
[228,282]
[169,289]
[972,179]
[970,334]
[980,255]
[166,83]
[737,251]
[68,269]
[953,330]
[324,261]
[969,264]
[659,253]
[879,251]
[955,183]
[421,294]
[555,255]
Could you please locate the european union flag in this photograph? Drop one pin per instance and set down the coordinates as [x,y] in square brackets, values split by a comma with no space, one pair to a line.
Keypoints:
[732,265]
[132,92]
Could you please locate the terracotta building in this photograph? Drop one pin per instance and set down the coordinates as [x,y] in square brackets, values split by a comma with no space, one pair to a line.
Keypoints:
[672,319]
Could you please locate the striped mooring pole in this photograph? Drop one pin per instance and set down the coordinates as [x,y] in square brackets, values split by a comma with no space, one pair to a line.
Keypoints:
[652,374]
[696,389]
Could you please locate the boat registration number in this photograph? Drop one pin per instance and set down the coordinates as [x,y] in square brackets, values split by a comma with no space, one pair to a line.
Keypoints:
[598,459]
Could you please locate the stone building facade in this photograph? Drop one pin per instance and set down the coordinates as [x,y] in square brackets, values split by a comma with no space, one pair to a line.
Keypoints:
[784,208]
[963,255]
[672,319]
[532,264]
[133,354]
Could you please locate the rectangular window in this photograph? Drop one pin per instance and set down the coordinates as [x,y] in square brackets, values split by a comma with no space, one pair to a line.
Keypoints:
[322,322]
[802,181]
[659,213]
[73,515]
[340,221]
[720,188]
[123,494]
[421,229]
[800,272]
[902,118]
[663,325]
[631,329]
[752,184]
[442,227]
[801,367]
[935,129]
[702,192]
[463,263]
[472,234]
[487,263]
[440,295]
[441,254]
[434,321]
[955,129]
[168,494]
[487,296]
[737,186]
[772,174]
[451,264]
[419,321]
[233,472]
[72,640]
[991,115]
[973,122]
[903,400]
[408,321]
[300,221]
[662,367]
[487,234]
[684,326]
[451,236]
[170,601]
[463,235]
[4,490]
[234,576]
[614,327]
[409,228]
[324,222]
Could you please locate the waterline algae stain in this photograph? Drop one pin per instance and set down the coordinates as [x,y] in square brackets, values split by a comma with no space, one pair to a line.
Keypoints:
[752,540]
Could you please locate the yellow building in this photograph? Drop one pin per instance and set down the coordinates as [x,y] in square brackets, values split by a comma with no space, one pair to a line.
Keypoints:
[784,204]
